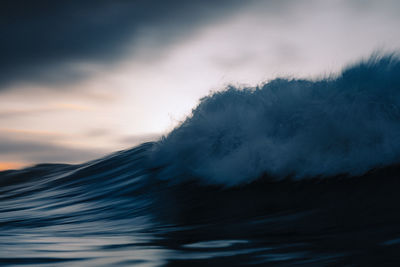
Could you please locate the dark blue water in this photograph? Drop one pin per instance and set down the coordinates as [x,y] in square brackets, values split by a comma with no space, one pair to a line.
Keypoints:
[294,172]
[113,212]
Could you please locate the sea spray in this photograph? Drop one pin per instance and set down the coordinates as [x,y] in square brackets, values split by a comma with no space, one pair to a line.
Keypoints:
[295,128]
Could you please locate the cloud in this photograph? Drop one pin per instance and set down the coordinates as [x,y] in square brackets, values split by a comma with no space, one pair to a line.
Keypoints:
[139,138]
[42,151]
[26,112]
[52,42]
[35,147]
[46,41]
[126,140]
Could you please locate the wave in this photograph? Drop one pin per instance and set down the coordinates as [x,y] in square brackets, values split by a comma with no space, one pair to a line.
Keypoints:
[290,128]
[122,195]
[145,205]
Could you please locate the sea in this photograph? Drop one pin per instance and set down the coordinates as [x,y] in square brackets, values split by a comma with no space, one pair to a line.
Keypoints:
[289,173]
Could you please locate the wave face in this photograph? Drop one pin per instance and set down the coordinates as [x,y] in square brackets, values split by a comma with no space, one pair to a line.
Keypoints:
[293,128]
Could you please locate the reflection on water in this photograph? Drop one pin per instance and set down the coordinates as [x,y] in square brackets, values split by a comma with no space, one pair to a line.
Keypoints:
[66,249]
[216,244]
[90,250]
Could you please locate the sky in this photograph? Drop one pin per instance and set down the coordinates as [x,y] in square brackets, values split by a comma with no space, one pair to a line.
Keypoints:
[82,79]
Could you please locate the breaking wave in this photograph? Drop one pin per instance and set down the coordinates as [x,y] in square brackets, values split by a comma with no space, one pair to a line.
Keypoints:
[145,205]
[290,128]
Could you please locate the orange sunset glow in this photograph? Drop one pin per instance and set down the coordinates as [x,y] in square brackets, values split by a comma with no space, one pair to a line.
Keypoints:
[10,165]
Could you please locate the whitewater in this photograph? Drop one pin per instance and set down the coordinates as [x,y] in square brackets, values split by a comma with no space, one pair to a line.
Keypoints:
[290,172]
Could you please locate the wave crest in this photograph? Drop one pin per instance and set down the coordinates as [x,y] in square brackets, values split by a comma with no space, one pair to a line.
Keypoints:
[296,128]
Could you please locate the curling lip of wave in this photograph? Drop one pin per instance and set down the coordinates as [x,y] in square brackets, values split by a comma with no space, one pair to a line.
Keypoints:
[347,124]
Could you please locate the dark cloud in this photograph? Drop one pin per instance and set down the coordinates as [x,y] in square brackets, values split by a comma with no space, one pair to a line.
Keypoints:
[41,40]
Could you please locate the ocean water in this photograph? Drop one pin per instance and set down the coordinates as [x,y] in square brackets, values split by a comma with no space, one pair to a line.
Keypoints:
[293,172]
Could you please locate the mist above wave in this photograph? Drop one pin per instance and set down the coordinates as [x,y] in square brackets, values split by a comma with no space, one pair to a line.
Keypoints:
[347,124]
